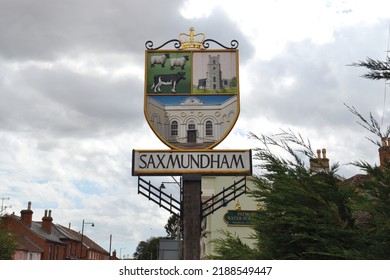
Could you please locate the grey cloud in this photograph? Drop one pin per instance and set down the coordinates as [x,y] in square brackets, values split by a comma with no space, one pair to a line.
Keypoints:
[323,83]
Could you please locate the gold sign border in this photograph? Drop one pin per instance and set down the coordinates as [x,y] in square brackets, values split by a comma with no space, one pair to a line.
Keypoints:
[191,51]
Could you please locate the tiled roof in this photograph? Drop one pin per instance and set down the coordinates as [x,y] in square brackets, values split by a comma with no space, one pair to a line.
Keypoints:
[94,246]
[65,233]
[72,234]
[356,179]
[36,227]
[26,244]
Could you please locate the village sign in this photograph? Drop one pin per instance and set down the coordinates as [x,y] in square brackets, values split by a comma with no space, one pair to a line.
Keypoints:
[191,103]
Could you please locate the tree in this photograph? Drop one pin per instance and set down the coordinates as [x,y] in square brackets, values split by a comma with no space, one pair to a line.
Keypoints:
[372,126]
[308,214]
[147,250]
[378,70]
[7,243]
[376,193]
[173,227]
[232,248]
[233,82]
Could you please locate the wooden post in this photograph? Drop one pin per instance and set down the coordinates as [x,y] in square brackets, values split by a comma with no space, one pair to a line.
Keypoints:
[191,216]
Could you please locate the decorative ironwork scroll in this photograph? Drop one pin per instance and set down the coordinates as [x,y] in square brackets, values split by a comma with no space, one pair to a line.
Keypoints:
[149,44]
[192,41]
[233,44]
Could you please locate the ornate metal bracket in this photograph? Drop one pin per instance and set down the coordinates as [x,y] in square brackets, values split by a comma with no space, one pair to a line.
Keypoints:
[149,44]
[234,44]
[192,42]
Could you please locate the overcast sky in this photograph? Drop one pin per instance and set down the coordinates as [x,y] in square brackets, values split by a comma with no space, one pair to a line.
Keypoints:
[72,81]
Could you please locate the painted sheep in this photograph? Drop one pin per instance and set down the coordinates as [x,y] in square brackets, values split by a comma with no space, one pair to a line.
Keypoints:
[159,59]
[180,61]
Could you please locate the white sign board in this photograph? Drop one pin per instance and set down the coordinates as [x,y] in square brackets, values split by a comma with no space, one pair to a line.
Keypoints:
[175,162]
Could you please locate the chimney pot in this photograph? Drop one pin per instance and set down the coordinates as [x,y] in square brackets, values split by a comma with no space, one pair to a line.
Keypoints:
[324,153]
[26,215]
[47,222]
[320,164]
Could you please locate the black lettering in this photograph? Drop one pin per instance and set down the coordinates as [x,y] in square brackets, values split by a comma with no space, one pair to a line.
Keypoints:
[237,161]
[214,161]
[205,161]
[182,162]
[151,162]
[160,161]
[194,161]
[141,158]
[172,160]
[224,162]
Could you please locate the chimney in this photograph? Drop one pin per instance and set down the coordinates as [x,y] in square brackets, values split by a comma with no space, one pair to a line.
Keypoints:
[26,215]
[114,254]
[384,152]
[320,164]
[47,222]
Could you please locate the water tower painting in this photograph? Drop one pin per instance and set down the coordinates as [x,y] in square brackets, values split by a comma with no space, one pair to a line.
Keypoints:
[191,96]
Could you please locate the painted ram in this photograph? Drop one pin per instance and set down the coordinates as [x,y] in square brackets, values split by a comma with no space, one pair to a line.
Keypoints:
[159,59]
[180,61]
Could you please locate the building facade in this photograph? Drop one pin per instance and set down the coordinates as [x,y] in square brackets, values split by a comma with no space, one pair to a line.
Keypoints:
[192,123]
[232,217]
[44,240]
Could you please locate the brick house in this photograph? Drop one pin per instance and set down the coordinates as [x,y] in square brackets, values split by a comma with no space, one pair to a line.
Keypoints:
[47,241]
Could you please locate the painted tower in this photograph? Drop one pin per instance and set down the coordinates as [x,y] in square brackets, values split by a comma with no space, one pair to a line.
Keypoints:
[214,73]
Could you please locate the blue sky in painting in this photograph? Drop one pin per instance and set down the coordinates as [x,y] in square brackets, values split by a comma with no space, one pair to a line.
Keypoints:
[176,100]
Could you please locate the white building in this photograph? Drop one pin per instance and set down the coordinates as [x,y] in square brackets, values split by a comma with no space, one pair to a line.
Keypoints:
[193,123]
[216,223]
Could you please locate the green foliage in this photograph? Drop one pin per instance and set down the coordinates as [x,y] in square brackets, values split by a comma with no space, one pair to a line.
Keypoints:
[173,227]
[378,70]
[376,191]
[371,125]
[309,214]
[233,82]
[8,244]
[232,248]
[147,250]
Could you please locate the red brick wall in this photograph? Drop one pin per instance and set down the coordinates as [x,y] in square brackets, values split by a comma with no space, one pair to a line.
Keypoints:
[16,226]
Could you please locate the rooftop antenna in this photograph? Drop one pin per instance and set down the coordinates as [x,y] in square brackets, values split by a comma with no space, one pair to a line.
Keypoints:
[386,82]
[4,207]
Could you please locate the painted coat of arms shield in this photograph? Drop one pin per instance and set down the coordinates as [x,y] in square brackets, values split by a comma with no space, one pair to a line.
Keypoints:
[191,96]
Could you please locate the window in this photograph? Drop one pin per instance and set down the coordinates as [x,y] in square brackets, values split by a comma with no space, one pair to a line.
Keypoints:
[191,126]
[209,128]
[49,257]
[55,257]
[174,128]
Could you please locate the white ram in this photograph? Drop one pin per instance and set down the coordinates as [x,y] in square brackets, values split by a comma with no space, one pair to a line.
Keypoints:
[159,59]
[180,61]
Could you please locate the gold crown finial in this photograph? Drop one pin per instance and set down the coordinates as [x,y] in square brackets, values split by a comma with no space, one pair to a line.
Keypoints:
[195,41]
